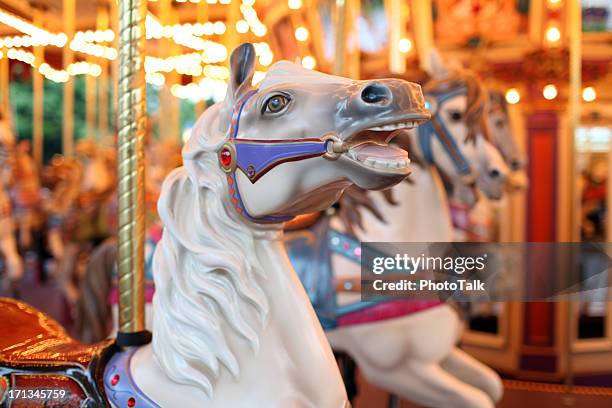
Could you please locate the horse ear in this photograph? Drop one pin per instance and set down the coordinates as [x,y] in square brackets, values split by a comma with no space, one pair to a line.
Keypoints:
[242,68]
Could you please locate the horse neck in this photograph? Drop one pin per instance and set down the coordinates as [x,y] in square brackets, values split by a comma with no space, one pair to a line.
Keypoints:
[289,303]
[291,339]
[422,211]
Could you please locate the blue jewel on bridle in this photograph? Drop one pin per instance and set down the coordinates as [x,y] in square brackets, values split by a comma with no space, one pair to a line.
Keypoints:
[436,128]
[255,157]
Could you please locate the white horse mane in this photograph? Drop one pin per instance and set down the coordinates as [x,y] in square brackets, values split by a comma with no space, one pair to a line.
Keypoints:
[206,272]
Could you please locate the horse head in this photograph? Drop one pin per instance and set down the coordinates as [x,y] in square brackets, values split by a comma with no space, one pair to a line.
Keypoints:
[253,161]
[500,132]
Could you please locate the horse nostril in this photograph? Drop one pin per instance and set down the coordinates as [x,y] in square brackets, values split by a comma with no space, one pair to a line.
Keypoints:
[494,173]
[375,93]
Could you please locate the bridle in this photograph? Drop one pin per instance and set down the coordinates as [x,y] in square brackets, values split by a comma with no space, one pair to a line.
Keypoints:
[436,128]
[256,157]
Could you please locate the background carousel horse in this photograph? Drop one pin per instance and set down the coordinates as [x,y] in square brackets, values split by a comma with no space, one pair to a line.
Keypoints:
[96,310]
[26,195]
[499,127]
[407,348]
[233,325]
[62,179]
[88,215]
[8,245]
[479,222]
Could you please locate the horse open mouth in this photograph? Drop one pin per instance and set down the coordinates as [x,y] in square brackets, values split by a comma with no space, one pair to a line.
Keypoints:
[372,147]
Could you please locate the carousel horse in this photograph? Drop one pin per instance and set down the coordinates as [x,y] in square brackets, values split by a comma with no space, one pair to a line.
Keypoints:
[85,215]
[26,194]
[478,223]
[8,244]
[499,128]
[405,347]
[232,323]
[63,181]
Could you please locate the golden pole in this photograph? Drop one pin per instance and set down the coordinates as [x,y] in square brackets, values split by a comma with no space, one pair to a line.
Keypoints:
[422,23]
[574,24]
[102,24]
[340,45]
[38,91]
[90,103]
[397,62]
[114,25]
[202,17]
[353,9]
[4,82]
[131,126]
[68,58]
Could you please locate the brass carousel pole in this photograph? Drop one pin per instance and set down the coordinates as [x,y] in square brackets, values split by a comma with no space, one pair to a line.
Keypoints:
[38,93]
[4,82]
[422,21]
[102,24]
[68,58]
[340,45]
[131,126]
[574,24]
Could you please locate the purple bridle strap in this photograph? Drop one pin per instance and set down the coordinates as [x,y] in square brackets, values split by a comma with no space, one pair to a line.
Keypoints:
[256,157]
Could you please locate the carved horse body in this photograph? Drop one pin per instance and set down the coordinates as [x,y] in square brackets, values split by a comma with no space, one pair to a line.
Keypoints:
[232,323]
[408,348]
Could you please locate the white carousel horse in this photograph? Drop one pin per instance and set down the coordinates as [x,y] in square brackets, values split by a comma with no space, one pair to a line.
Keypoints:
[409,348]
[233,326]
[8,244]
[224,285]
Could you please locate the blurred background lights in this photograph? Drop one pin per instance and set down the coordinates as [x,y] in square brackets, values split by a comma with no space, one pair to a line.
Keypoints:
[549,92]
[404,45]
[513,96]
[553,34]
[242,26]
[589,94]
[309,62]
[301,33]
[294,4]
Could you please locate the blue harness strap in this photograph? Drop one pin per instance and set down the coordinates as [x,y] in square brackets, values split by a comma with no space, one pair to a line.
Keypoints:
[435,127]
[255,157]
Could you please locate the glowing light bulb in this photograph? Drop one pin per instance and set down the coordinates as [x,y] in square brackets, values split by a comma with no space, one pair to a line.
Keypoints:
[294,4]
[404,45]
[301,33]
[553,34]
[513,96]
[550,92]
[242,26]
[589,94]
[309,62]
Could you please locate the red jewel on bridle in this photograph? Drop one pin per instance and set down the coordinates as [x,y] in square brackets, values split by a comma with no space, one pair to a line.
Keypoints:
[227,157]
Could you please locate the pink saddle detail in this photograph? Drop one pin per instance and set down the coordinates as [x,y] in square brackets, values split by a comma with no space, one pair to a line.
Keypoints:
[385,311]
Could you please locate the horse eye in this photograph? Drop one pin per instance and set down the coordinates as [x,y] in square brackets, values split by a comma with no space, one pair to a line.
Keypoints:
[499,124]
[455,116]
[276,104]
